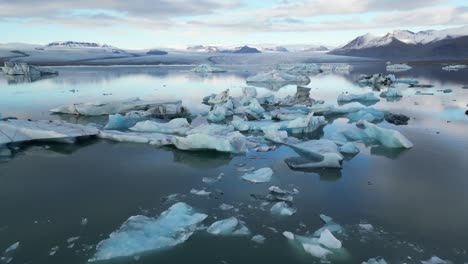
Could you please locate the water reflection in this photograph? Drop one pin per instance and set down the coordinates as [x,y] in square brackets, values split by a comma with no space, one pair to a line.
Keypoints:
[17,79]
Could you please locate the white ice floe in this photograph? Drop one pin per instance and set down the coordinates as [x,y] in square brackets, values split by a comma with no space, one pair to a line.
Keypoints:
[367,97]
[233,142]
[115,107]
[454,67]
[228,227]
[435,260]
[207,68]
[277,76]
[211,180]
[391,92]
[178,126]
[399,67]
[273,134]
[12,247]
[13,130]
[200,192]
[126,121]
[141,233]
[348,148]
[316,250]
[259,176]
[19,68]
[388,137]
[321,153]
[329,240]
[282,209]
[155,139]
[258,239]
[377,260]
[278,190]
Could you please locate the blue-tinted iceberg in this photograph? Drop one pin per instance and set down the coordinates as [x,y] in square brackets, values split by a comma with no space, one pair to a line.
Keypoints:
[282,209]
[367,97]
[233,142]
[175,126]
[387,137]
[126,121]
[206,68]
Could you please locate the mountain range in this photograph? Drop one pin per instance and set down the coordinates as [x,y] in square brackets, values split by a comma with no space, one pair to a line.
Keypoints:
[429,44]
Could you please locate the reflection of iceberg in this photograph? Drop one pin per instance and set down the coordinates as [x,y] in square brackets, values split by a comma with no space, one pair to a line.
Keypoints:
[20,68]
[17,79]
[201,160]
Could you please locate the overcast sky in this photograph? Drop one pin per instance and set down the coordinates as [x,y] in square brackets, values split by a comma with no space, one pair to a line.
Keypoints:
[158,23]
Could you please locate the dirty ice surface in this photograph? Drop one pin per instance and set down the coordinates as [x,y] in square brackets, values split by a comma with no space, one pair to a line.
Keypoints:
[393,191]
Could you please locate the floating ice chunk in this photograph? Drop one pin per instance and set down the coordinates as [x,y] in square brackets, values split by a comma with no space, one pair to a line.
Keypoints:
[118,121]
[249,92]
[276,76]
[175,126]
[19,68]
[53,250]
[141,234]
[272,133]
[348,148]
[155,139]
[228,227]
[321,153]
[211,180]
[84,221]
[377,260]
[345,109]
[240,124]
[329,224]
[288,235]
[435,260]
[278,190]
[391,92]
[233,142]
[72,239]
[301,69]
[366,227]
[258,239]
[387,137]
[399,67]
[301,97]
[259,176]
[316,250]
[220,98]
[12,247]
[307,124]
[369,114]
[199,121]
[367,97]
[200,192]
[329,240]
[253,109]
[13,130]
[225,207]
[108,108]
[287,114]
[282,209]
[218,113]
[206,68]
[454,67]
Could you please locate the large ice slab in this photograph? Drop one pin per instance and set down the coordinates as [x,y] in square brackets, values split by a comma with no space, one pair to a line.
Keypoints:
[321,153]
[367,97]
[387,137]
[155,139]
[126,121]
[19,68]
[233,142]
[228,227]
[276,76]
[176,126]
[13,130]
[108,108]
[259,176]
[391,92]
[141,233]
[207,68]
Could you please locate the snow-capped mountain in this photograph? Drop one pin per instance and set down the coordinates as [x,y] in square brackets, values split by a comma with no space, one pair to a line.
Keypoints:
[405,36]
[404,43]
[76,44]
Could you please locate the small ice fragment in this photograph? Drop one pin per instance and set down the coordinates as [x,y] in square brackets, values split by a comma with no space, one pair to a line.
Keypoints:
[206,68]
[229,226]
[84,221]
[348,148]
[259,176]
[329,240]
[258,239]
[377,260]
[72,239]
[211,180]
[283,209]
[391,92]
[175,126]
[225,207]
[366,227]
[13,247]
[367,97]
[288,235]
[200,192]
[326,219]
[435,260]
[316,250]
[53,250]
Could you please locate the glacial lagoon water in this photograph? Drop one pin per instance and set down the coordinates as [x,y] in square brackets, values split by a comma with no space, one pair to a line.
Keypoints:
[415,199]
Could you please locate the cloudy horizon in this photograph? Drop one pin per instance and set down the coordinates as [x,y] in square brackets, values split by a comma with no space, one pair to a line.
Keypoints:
[142,24]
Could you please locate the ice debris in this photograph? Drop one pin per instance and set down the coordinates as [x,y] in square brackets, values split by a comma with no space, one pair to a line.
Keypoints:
[348,148]
[391,92]
[282,209]
[277,76]
[228,227]
[15,130]
[369,114]
[399,67]
[211,180]
[367,97]
[207,68]
[396,119]
[259,176]
[200,192]
[126,121]
[141,234]
[377,260]
[233,142]
[258,239]
[225,207]
[321,153]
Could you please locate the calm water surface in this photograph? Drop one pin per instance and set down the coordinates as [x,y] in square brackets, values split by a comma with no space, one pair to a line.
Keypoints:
[416,199]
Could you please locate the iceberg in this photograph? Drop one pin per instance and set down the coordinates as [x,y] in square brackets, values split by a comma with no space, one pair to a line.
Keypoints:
[175,126]
[155,139]
[391,92]
[454,67]
[211,129]
[344,109]
[228,227]
[348,148]
[307,124]
[126,121]
[388,137]
[329,240]
[399,67]
[258,239]
[301,69]
[108,108]
[301,97]
[321,153]
[435,260]
[200,192]
[369,114]
[284,114]
[316,250]
[276,76]
[259,176]
[233,142]
[367,97]
[19,68]
[141,234]
[282,209]
[206,68]
[13,130]
[220,98]
[273,134]
[377,260]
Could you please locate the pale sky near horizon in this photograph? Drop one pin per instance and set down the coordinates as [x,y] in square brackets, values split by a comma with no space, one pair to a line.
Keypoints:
[142,24]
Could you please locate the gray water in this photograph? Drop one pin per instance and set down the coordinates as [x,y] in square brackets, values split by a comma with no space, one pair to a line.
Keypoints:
[415,199]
